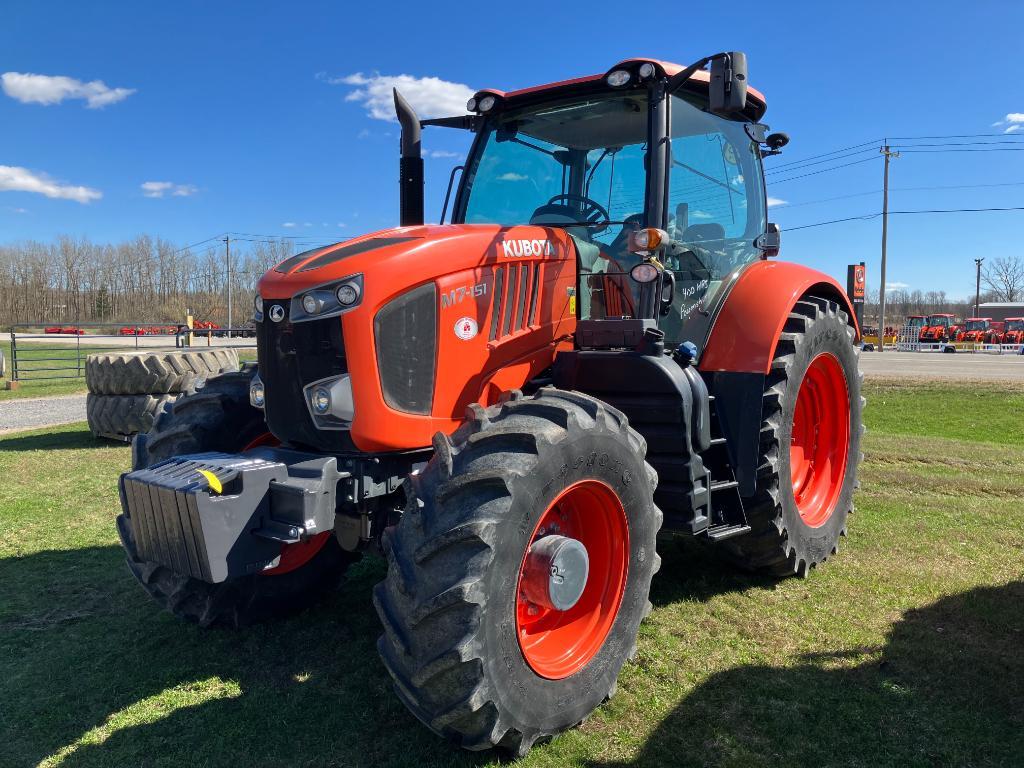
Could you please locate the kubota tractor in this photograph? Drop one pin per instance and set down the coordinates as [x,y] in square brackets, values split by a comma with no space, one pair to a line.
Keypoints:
[1013,332]
[914,328]
[937,329]
[513,407]
[979,330]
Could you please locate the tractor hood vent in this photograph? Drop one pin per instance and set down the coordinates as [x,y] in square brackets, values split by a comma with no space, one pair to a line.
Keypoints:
[337,254]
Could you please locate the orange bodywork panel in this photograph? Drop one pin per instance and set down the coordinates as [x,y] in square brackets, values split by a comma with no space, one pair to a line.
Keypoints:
[748,325]
[487,342]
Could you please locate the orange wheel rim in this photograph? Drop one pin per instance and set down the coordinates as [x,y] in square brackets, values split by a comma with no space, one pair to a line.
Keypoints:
[820,441]
[558,643]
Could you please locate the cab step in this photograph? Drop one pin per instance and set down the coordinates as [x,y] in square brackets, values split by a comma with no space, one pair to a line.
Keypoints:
[727,531]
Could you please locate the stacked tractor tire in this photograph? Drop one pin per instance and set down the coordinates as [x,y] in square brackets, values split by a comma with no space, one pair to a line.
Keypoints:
[127,390]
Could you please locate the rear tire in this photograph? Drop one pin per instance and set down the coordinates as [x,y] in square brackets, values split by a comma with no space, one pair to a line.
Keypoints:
[798,513]
[453,599]
[218,417]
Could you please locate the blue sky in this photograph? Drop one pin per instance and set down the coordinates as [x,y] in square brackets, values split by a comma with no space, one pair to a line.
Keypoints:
[250,117]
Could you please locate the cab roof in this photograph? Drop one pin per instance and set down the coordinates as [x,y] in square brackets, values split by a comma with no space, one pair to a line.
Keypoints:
[756,103]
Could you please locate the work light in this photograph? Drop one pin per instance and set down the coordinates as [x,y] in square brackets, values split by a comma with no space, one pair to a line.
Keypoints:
[618,78]
[487,103]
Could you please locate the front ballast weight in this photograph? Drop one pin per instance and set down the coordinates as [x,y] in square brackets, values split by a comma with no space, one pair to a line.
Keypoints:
[217,516]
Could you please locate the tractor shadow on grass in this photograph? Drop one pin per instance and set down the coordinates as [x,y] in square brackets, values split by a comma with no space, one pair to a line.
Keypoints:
[947,688]
[82,648]
[92,673]
[692,570]
[51,441]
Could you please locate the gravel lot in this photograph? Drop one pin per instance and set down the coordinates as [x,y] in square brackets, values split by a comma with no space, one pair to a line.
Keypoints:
[961,366]
[41,412]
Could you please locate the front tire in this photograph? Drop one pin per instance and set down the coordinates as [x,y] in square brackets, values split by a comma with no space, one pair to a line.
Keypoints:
[218,417]
[809,446]
[467,646]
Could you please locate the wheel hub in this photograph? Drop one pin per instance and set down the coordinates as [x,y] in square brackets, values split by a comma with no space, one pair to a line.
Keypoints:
[555,573]
[572,578]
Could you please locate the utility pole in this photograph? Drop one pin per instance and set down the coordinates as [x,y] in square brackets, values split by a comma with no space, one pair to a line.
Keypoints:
[885,234]
[227,258]
[977,287]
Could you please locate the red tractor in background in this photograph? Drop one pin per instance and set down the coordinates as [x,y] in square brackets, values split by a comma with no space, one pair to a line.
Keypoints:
[937,329]
[980,330]
[515,407]
[1013,331]
[914,328]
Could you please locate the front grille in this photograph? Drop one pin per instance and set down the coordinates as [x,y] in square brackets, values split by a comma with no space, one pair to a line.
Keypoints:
[292,356]
[514,306]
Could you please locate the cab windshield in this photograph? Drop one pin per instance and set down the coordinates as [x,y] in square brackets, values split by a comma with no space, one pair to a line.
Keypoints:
[1015,325]
[939,321]
[581,164]
[977,325]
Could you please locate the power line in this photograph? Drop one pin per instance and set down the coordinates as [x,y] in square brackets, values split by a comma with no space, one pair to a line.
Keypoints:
[868,216]
[825,170]
[953,148]
[818,162]
[871,143]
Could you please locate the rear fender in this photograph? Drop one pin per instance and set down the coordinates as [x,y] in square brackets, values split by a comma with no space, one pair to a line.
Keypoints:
[739,351]
[747,329]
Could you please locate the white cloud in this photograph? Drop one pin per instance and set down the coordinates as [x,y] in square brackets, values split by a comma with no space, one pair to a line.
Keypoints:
[700,215]
[429,96]
[161,188]
[512,176]
[774,201]
[46,89]
[15,179]
[896,286]
[1014,121]
[442,153]
[19,210]
[288,224]
[342,224]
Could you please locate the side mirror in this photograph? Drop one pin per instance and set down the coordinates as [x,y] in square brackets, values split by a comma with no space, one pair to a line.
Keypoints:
[770,242]
[728,86]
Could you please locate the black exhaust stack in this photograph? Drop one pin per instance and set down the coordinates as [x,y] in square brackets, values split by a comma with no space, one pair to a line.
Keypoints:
[410,168]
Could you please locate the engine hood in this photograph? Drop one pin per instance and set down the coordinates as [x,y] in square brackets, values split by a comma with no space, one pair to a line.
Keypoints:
[401,258]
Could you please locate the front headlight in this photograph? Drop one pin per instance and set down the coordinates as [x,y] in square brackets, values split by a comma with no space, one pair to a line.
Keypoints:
[327,300]
[257,394]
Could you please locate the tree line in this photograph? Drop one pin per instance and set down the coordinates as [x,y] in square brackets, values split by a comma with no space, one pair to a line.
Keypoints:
[145,279]
[152,280]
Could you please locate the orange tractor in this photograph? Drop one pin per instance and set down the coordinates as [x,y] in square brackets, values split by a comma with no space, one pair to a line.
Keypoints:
[1013,331]
[938,329]
[914,328]
[981,330]
[515,407]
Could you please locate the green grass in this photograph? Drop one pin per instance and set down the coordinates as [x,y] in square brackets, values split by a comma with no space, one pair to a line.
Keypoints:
[905,650]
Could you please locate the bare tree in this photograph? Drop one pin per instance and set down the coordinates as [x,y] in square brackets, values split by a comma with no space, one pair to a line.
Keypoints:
[1004,278]
[141,280]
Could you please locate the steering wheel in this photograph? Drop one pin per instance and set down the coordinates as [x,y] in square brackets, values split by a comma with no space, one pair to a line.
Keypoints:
[593,211]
